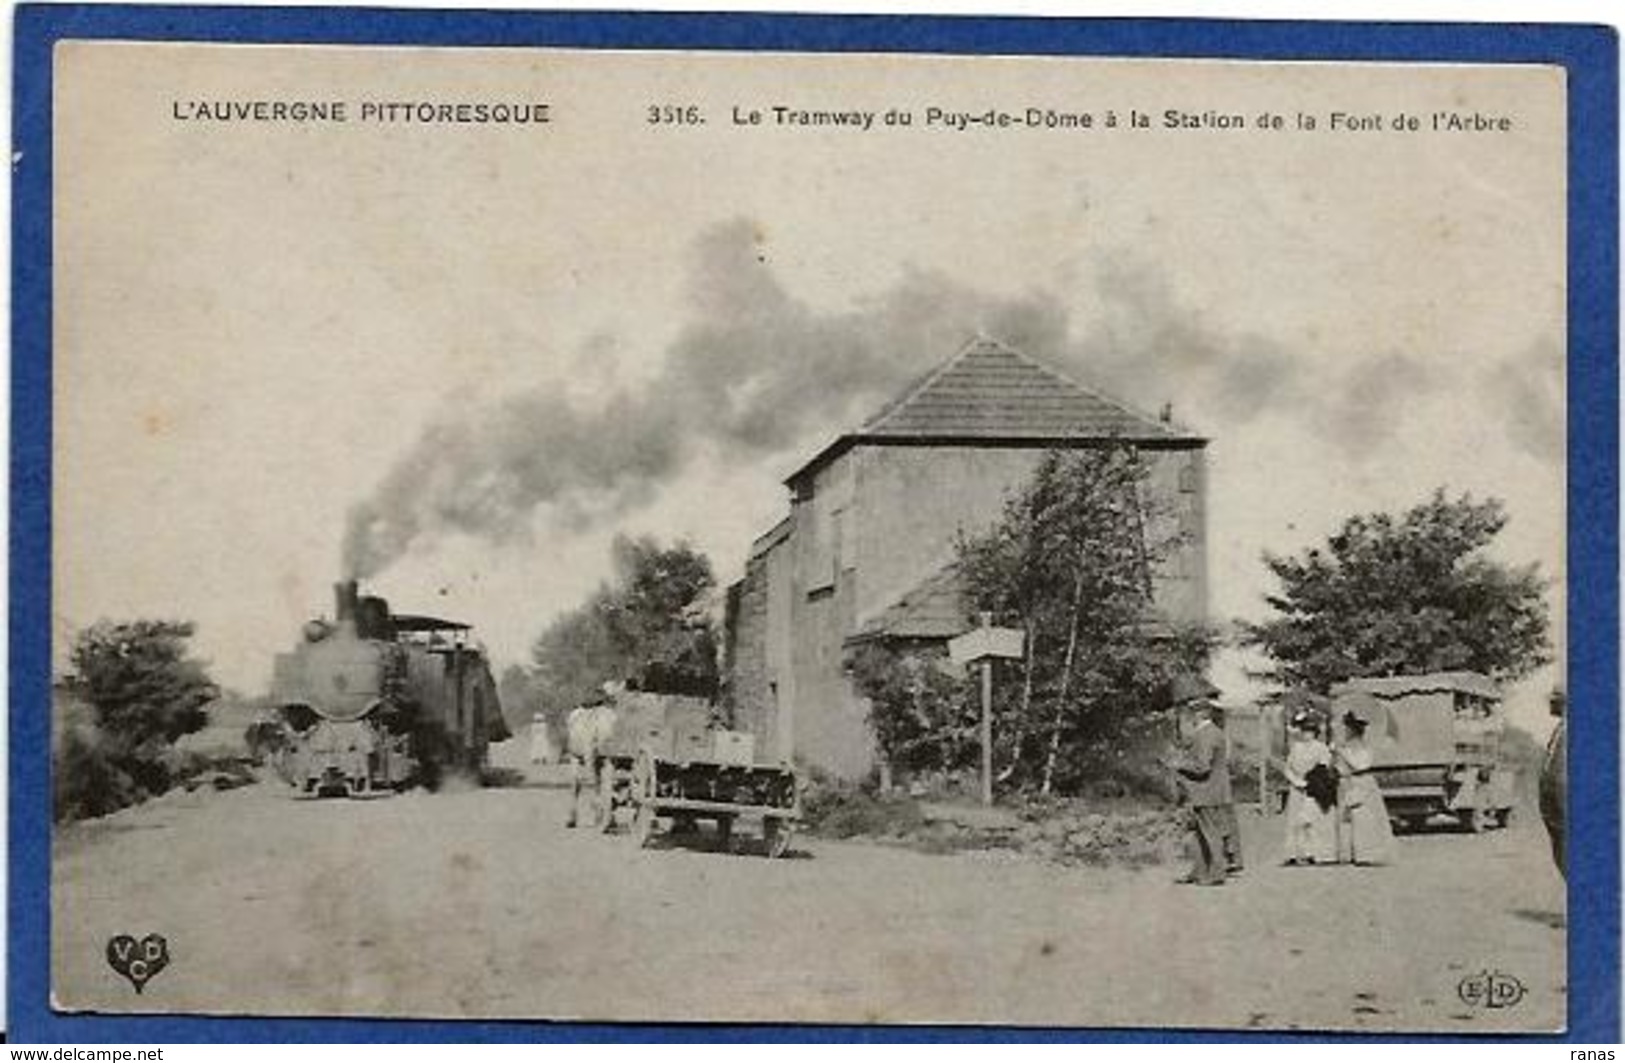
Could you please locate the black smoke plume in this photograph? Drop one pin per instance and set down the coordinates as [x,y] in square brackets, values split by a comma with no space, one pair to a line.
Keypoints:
[757,373]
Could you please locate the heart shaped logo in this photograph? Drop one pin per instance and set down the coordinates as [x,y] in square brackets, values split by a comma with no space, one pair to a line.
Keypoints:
[136,960]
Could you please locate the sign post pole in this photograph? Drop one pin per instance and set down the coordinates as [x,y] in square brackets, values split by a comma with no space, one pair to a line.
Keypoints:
[980,645]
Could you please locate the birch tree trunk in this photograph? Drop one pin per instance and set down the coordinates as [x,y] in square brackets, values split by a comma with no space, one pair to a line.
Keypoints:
[1066,685]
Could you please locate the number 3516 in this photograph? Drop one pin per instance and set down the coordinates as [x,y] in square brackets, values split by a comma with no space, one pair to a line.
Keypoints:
[674,114]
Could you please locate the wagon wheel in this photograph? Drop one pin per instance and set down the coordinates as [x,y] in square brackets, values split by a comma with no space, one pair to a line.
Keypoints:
[642,788]
[643,825]
[604,817]
[776,833]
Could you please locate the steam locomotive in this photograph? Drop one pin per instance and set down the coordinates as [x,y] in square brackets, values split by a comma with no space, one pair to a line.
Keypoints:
[376,701]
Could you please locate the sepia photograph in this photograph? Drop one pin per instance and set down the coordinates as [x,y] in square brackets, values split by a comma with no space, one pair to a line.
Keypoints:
[612,535]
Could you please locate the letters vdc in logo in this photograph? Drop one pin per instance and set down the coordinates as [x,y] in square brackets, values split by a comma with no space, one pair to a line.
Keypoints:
[136,960]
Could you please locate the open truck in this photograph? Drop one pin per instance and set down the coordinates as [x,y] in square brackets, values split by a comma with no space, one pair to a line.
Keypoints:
[1436,746]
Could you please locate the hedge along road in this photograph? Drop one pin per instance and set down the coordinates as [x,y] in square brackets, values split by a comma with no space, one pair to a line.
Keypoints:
[480,904]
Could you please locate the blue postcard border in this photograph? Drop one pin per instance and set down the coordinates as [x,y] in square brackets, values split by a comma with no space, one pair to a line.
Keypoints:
[1589,54]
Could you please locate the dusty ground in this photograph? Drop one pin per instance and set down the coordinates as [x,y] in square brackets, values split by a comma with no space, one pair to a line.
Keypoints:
[480,904]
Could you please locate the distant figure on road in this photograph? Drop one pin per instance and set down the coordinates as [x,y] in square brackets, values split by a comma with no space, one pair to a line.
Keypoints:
[542,750]
[1371,838]
[1204,777]
[1311,830]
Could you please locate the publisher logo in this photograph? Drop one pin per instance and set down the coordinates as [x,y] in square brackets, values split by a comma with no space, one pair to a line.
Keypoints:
[136,960]
[1490,989]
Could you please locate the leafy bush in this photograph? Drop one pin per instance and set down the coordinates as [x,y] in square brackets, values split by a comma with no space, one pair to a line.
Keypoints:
[923,717]
[85,779]
[834,808]
[132,691]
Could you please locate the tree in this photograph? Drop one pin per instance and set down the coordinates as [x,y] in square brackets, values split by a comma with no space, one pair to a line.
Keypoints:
[1404,595]
[1072,562]
[922,715]
[650,627]
[144,691]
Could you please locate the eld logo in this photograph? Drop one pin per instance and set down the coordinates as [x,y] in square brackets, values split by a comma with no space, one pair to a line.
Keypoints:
[1490,989]
[136,960]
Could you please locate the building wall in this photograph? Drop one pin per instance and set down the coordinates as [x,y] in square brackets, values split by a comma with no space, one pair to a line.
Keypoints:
[911,504]
[757,636]
[866,529]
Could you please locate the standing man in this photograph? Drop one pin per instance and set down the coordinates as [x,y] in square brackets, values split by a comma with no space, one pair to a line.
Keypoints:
[1204,775]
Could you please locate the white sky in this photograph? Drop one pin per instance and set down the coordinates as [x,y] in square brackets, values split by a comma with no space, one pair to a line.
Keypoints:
[254,323]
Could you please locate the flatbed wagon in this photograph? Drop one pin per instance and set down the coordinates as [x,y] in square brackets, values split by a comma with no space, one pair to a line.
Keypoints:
[682,792]
[667,761]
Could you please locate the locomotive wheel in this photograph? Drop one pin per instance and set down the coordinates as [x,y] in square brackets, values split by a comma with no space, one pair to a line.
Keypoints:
[776,834]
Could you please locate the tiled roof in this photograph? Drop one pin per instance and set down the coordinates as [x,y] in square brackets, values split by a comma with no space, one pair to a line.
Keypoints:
[934,609]
[990,390]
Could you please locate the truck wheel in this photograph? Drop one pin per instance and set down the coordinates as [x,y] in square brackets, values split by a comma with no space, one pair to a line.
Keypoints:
[1476,820]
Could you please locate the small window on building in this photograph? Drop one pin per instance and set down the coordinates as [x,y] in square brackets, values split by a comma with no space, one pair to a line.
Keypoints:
[1187,478]
[824,560]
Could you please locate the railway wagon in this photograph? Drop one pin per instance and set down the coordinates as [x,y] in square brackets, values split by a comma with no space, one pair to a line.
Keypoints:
[373,701]
[1436,746]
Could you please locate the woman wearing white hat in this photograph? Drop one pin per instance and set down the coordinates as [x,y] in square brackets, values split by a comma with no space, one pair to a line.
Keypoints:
[1311,836]
[1371,839]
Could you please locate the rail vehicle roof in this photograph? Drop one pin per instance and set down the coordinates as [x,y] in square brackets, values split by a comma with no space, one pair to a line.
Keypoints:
[1399,686]
[413,622]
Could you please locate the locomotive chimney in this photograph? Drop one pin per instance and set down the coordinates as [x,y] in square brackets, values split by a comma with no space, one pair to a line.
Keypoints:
[346,594]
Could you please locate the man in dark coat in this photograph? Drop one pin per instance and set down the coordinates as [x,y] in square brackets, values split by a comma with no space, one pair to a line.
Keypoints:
[1204,777]
[1554,782]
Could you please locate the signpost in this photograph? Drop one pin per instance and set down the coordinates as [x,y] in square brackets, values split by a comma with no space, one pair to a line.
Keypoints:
[982,645]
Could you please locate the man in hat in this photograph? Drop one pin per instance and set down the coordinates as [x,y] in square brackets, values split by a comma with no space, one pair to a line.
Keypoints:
[1204,776]
[1190,691]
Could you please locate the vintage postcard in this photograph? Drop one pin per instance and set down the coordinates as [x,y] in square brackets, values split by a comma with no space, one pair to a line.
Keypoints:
[618,534]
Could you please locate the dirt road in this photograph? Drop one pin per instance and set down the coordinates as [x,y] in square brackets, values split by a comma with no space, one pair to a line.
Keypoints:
[480,904]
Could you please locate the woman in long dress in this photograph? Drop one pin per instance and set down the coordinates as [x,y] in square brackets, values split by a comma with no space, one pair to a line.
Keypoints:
[1371,838]
[1311,836]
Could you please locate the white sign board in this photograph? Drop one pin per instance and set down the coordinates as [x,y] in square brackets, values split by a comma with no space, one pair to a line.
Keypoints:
[981,642]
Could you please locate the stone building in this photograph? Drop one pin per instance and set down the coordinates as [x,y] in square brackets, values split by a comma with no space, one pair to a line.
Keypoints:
[867,549]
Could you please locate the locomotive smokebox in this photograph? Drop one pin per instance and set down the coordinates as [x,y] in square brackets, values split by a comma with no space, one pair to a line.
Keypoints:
[346,595]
